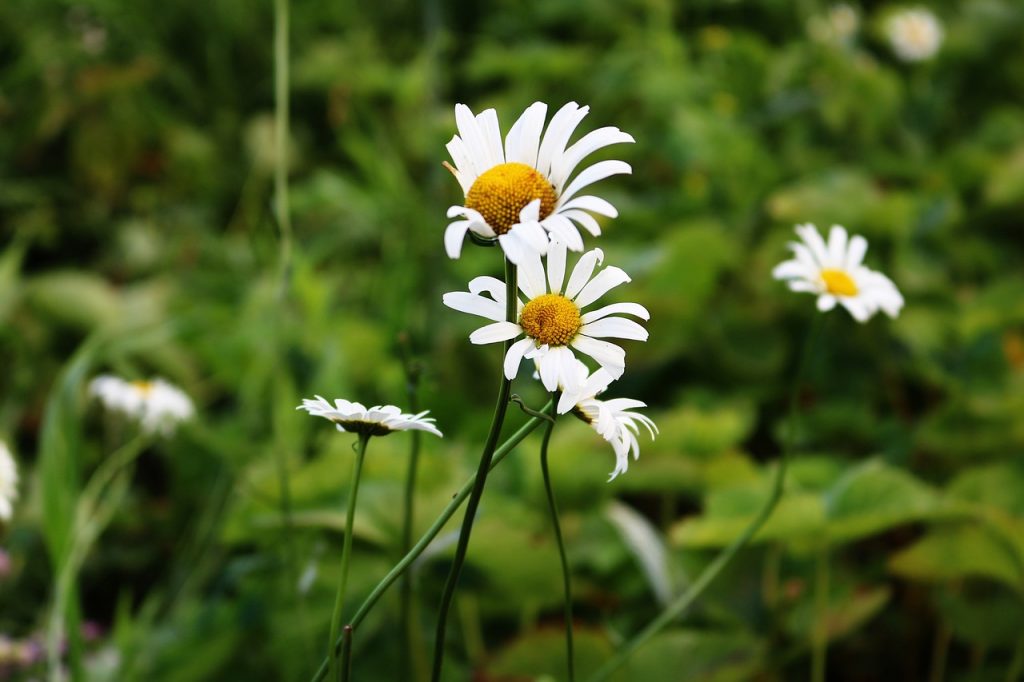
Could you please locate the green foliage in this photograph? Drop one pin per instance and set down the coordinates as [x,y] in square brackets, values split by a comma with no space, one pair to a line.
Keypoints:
[137,237]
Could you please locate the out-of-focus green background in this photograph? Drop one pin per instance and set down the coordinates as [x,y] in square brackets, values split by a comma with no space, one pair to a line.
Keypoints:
[136,209]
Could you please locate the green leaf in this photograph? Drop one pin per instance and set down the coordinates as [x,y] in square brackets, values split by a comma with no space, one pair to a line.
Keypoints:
[960,551]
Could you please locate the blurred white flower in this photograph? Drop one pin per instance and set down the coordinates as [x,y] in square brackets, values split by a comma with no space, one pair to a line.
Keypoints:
[8,482]
[915,34]
[834,273]
[157,405]
[520,192]
[551,319]
[837,26]
[379,420]
[611,419]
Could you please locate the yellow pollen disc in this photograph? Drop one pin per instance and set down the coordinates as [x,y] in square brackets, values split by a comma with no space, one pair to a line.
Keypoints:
[838,283]
[502,192]
[144,386]
[552,319]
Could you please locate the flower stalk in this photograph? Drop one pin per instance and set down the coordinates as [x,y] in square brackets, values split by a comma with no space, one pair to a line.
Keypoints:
[553,507]
[346,551]
[504,391]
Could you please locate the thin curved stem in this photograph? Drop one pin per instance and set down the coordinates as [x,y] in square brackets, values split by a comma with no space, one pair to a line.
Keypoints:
[504,390]
[449,511]
[685,600]
[819,636]
[346,551]
[282,211]
[408,518]
[553,506]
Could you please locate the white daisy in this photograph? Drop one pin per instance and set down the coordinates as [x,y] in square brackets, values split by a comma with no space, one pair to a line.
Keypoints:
[157,405]
[552,319]
[8,482]
[519,192]
[834,272]
[379,420]
[611,419]
[915,34]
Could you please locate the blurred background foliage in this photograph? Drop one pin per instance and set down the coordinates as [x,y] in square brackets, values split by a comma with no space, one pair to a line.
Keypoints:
[136,160]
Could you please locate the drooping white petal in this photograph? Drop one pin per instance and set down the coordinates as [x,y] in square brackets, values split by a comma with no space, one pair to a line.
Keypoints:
[603,282]
[592,174]
[515,247]
[592,204]
[826,302]
[563,229]
[548,364]
[454,235]
[583,218]
[514,356]
[586,145]
[611,357]
[497,331]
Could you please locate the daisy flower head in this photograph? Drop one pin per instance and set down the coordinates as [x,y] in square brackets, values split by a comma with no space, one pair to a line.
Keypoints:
[837,26]
[8,482]
[379,420]
[914,34]
[157,405]
[835,273]
[551,320]
[612,419]
[519,192]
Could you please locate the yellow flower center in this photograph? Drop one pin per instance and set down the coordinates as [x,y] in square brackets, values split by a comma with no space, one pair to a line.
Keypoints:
[144,387]
[502,192]
[552,319]
[838,283]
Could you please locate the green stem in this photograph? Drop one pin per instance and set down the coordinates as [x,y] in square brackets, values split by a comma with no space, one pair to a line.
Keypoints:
[346,551]
[504,390]
[553,506]
[685,600]
[346,653]
[428,537]
[281,207]
[940,651]
[819,643]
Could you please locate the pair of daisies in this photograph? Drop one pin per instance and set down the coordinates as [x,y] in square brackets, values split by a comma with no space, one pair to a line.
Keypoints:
[523,193]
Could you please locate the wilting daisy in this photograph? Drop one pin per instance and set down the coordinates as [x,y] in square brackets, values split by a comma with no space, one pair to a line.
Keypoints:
[8,482]
[157,405]
[551,319]
[520,192]
[611,419]
[379,420]
[837,26]
[915,34]
[834,272]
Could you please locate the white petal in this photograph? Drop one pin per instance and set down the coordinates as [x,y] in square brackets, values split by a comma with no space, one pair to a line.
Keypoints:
[837,239]
[465,171]
[498,331]
[826,302]
[514,356]
[533,235]
[515,248]
[549,366]
[492,285]
[583,218]
[529,126]
[811,237]
[586,145]
[606,280]
[855,253]
[792,269]
[472,304]
[599,171]
[611,357]
[592,204]
[487,121]
[531,277]
[563,230]
[615,327]
[454,236]
[560,129]
[857,308]
[471,136]
[581,273]
[556,266]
